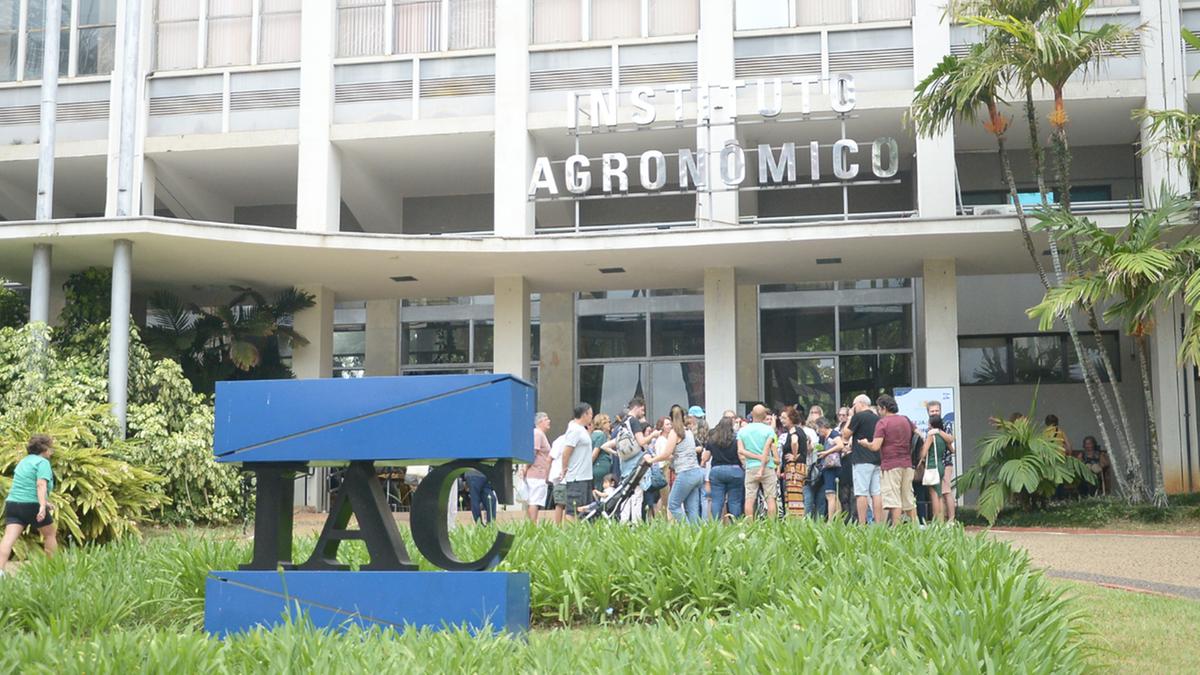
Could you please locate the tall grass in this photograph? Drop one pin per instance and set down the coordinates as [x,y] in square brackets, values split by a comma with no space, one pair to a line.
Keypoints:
[759,596]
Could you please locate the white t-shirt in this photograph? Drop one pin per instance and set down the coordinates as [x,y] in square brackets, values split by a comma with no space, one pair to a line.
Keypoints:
[580,467]
[556,453]
[814,440]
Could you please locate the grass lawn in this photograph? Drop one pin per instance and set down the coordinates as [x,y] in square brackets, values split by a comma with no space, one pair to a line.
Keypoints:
[1140,633]
[792,596]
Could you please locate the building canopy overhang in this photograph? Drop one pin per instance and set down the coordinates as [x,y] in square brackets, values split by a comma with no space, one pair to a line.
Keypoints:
[198,257]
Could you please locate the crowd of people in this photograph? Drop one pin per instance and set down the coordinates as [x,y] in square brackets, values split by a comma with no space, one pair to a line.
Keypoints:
[868,464]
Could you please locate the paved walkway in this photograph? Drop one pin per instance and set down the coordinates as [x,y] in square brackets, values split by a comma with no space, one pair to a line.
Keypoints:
[1143,561]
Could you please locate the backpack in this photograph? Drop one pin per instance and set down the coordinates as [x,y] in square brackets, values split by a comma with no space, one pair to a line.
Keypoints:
[627,445]
[658,479]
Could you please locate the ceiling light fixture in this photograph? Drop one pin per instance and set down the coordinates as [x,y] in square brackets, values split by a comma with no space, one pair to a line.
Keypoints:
[404,278]
[612,270]
[829,261]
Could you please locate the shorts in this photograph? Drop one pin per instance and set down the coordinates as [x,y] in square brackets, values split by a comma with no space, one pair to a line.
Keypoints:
[769,482]
[558,496]
[25,514]
[578,493]
[536,489]
[866,480]
[830,476]
[948,480]
[898,489]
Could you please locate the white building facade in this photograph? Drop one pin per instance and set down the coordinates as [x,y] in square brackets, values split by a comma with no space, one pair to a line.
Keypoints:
[595,194]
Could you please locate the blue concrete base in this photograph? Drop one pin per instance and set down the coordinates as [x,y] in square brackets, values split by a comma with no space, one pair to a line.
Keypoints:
[242,600]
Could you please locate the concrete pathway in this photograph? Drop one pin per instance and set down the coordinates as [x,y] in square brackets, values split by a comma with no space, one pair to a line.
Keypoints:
[1143,561]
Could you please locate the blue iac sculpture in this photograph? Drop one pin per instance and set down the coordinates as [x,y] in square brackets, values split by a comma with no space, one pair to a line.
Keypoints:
[278,429]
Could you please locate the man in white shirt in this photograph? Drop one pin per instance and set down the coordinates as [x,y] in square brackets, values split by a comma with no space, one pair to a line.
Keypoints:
[576,466]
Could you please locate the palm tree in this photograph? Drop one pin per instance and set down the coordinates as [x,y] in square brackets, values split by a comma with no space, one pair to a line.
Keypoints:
[236,340]
[1134,269]
[1176,132]
[1045,43]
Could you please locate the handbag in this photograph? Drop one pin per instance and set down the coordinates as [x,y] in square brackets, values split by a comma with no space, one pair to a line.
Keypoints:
[658,479]
[932,477]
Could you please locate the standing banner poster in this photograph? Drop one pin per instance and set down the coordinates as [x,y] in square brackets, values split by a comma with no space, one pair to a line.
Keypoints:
[912,403]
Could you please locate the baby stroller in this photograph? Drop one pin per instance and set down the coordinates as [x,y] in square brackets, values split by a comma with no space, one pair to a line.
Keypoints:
[610,508]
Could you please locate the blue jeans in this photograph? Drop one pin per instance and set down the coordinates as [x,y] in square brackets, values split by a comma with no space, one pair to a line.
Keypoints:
[728,490]
[483,497]
[814,500]
[684,500]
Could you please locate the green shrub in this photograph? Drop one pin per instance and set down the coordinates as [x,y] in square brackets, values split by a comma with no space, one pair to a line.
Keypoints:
[13,312]
[769,596]
[96,497]
[170,425]
[1021,461]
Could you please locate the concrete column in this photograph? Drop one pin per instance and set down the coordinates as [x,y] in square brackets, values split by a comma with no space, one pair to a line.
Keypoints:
[714,50]
[118,336]
[318,175]
[720,340]
[48,112]
[513,213]
[556,370]
[1166,89]
[939,289]
[316,324]
[149,183]
[935,155]
[747,344]
[1174,405]
[383,337]
[312,361]
[511,328]
[127,110]
[39,284]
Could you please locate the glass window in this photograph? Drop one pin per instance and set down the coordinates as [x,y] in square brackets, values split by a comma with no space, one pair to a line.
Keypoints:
[609,387]
[97,37]
[808,329]
[875,283]
[983,360]
[873,374]
[535,339]
[1111,344]
[612,336]
[800,381]
[677,334]
[1038,358]
[229,28]
[472,24]
[178,26]
[875,327]
[279,31]
[10,22]
[819,12]
[616,19]
[417,26]
[673,17]
[360,27]
[35,26]
[557,21]
[756,14]
[884,10]
[485,349]
[437,342]
[792,288]
[674,383]
[349,351]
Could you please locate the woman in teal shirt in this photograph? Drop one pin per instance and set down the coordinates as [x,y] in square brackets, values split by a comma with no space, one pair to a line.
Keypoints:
[28,503]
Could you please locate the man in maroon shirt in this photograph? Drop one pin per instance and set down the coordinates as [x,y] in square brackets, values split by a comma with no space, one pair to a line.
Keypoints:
[893,442]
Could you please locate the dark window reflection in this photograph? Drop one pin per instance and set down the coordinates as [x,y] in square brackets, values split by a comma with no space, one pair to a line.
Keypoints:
[791,330]
[612,336]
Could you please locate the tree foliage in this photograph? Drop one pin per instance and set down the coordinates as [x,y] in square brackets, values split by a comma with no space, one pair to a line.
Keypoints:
[237,340]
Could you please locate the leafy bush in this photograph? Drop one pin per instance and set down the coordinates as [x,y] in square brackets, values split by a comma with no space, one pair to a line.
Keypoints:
[170,425]
[175,430]
[96,497]
[13,312]
[1095,512]
[1020,461]
[758,597]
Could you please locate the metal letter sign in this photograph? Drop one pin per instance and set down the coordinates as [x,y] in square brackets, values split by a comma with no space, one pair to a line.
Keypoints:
[278,429]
